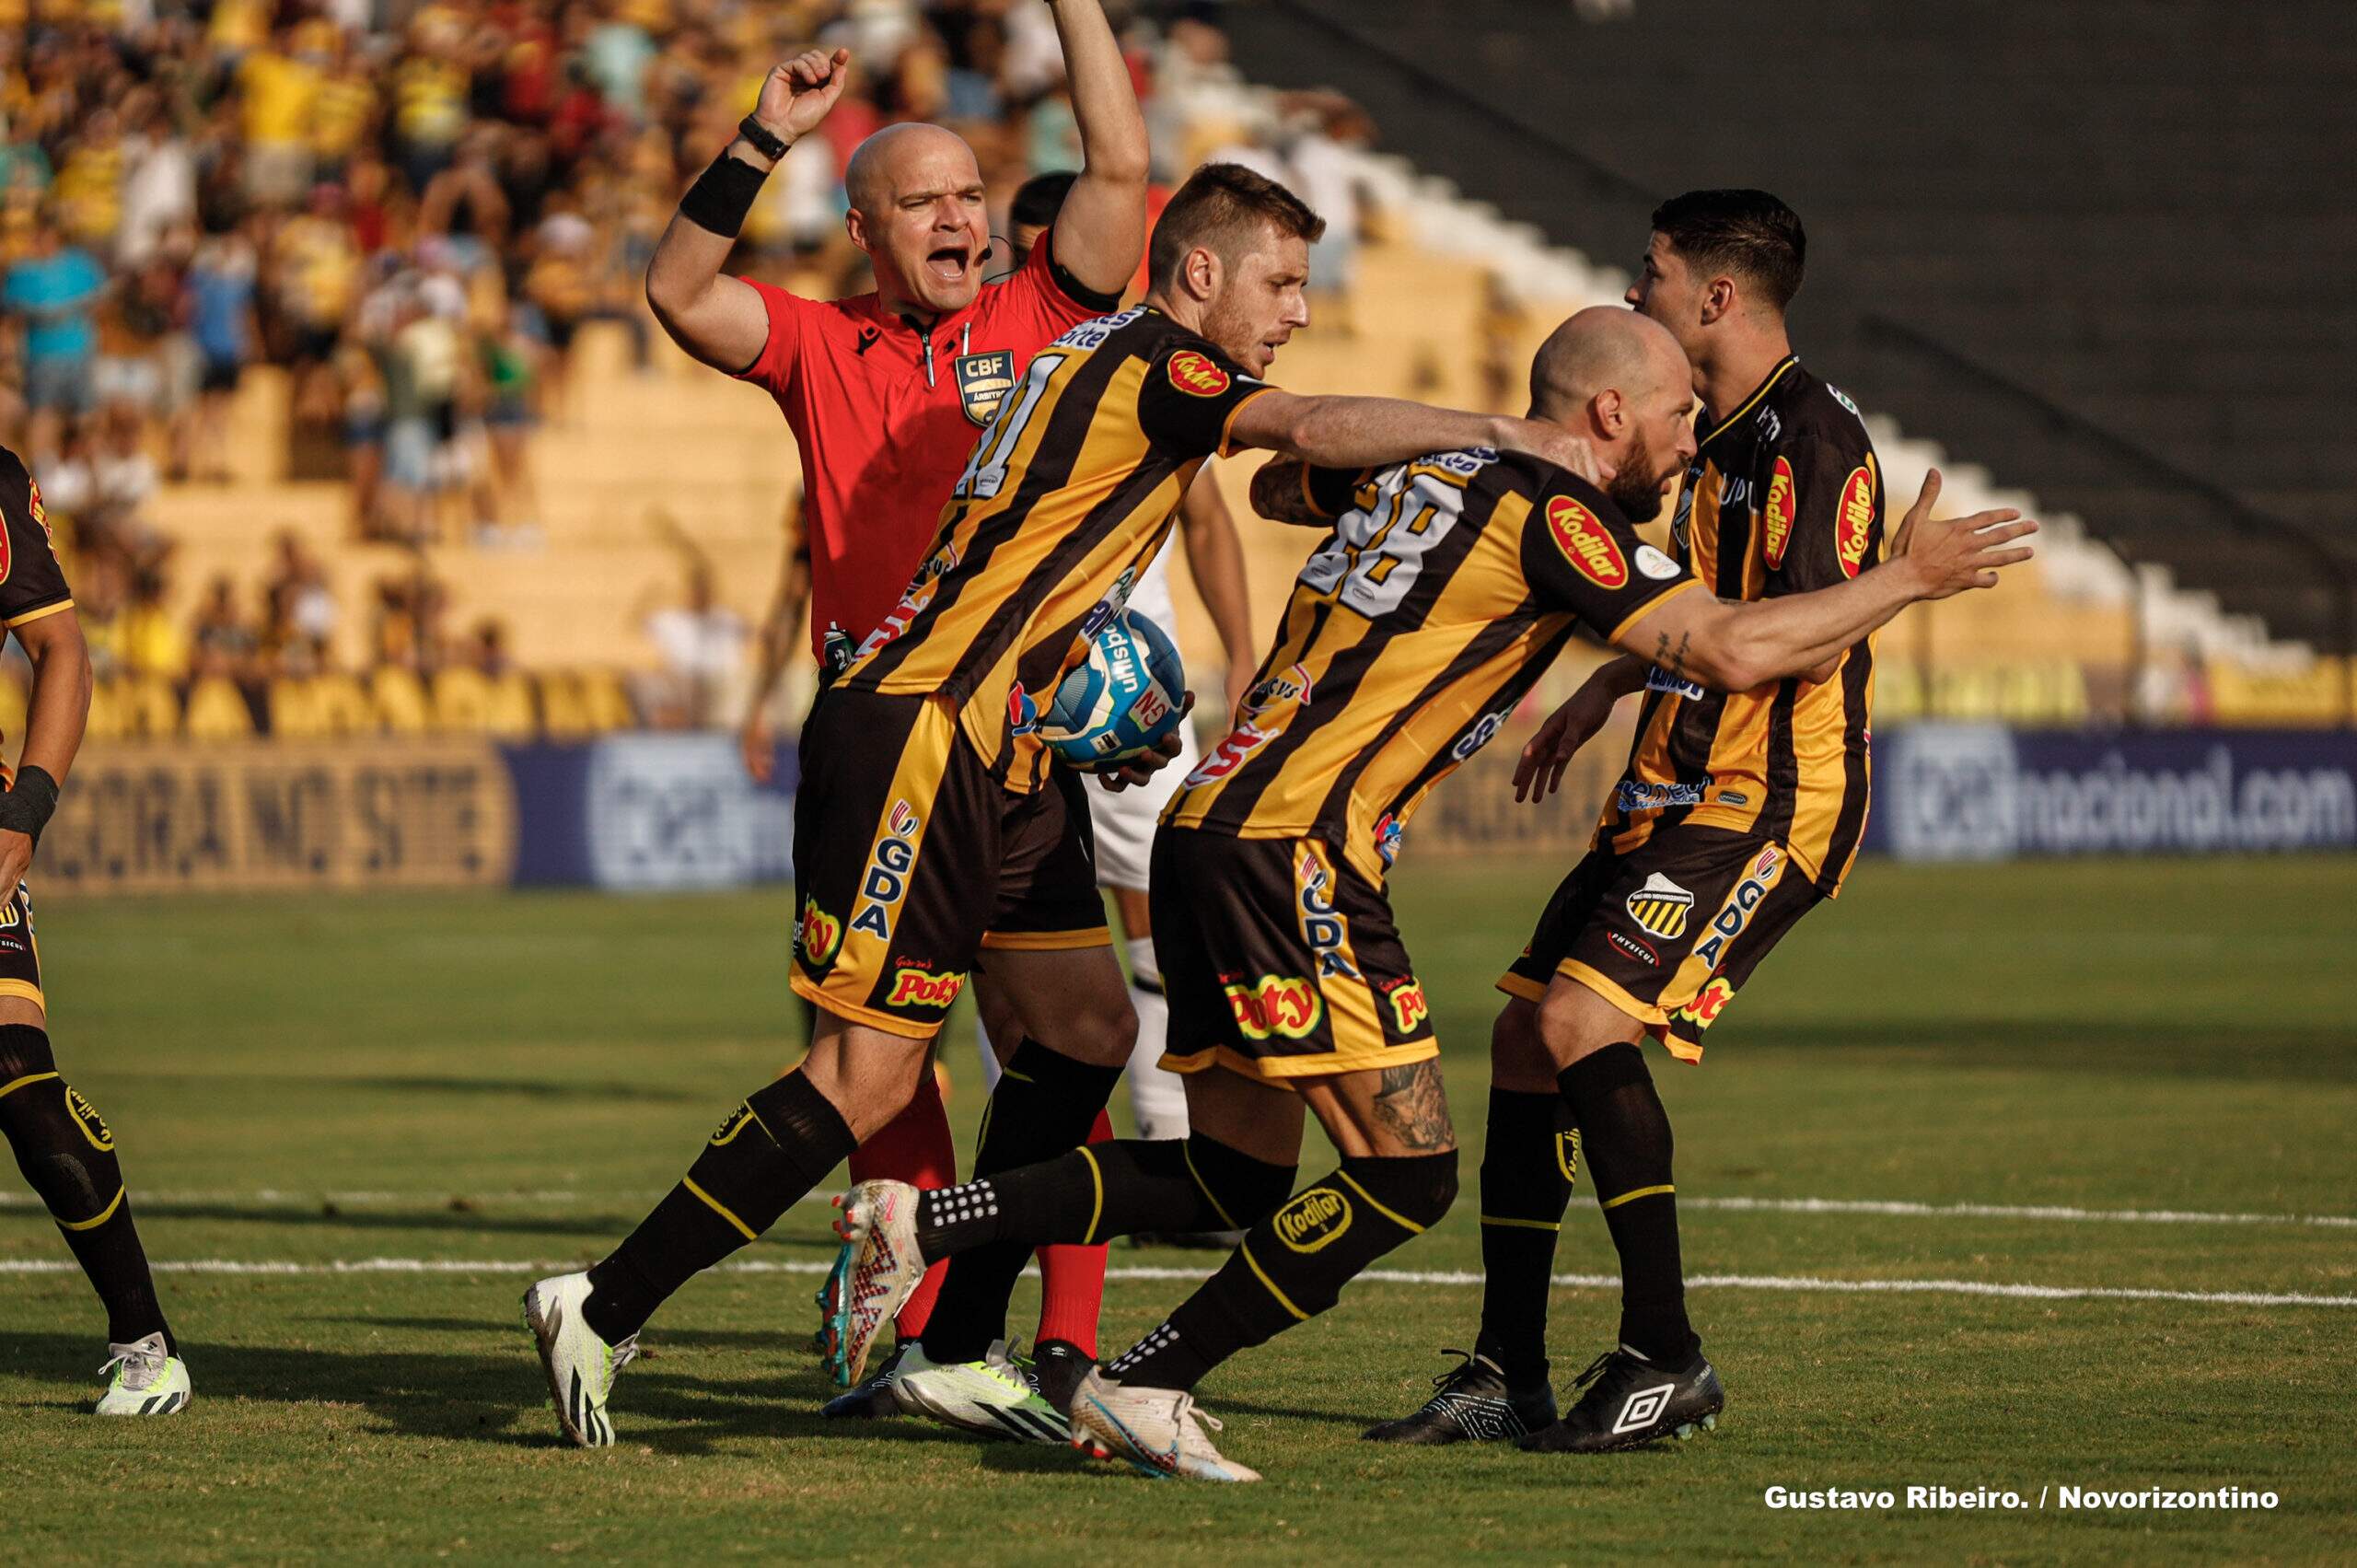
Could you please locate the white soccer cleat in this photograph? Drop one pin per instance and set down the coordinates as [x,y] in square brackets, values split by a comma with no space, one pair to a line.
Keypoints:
[1157,1431]
[580,1366]
[992,1395]
[148,1380]
[878,1269]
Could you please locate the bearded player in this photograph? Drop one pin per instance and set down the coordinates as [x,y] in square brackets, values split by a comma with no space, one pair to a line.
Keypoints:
[1740,812]
[884,393]
[1445,588]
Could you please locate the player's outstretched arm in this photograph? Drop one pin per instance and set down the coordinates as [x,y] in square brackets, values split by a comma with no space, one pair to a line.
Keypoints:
[1734,646]
[1350,433]
[720,319]
[1100,232]
[55,715]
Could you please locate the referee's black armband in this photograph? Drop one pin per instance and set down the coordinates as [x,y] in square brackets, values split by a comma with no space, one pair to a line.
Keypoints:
[722,195]
[30,804]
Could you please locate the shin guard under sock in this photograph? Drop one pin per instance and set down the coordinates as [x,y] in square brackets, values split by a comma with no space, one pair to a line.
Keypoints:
[1293,1264]
[773,1148]
[1625,1133]
[1528,1164]
[1043,1106]
[67,1154]
[917,1147]
[1105,1190]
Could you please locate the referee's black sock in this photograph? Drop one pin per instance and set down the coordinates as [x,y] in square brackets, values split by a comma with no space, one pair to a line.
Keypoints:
[1527,1169]
[773,1148]
[1293,1265]
[1625,1133]
[1043,1106]
[66,1152]
[1102,1191]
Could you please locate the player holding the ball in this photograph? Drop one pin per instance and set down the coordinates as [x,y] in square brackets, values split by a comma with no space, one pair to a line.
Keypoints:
[926,817]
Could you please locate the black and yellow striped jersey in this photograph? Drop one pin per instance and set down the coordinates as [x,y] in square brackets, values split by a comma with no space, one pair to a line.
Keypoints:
[1068,496]
[1783,496]
[1444,591]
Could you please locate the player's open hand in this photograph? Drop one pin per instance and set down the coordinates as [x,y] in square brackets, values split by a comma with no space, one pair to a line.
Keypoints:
[1538,772]
[16,858]
[1542,439]
[799,93]
[759,748]
[1143,766]
[1952,554]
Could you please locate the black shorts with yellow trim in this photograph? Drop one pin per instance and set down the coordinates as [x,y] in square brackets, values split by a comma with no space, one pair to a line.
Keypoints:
[909,860]
[1668,931]
[20,950]
[1280,960]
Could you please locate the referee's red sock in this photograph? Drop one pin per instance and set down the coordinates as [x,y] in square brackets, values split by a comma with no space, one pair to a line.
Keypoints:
[916,1147]
[1072,1281]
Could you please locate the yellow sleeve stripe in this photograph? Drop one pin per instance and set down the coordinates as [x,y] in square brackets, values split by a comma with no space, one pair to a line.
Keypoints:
[13,1085]
[43,613]
[1649,607]
[1632,1195]
[1522,1225]
[719,1208]
[1096,1207]
[1402,1221]
[1245,1251]
[103,1215]
[1206,1189]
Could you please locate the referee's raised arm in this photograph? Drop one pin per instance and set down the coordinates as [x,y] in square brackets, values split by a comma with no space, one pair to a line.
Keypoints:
[720,319]
[1100,233]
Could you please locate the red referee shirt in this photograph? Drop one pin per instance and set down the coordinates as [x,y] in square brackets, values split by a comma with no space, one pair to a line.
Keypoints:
[885,415]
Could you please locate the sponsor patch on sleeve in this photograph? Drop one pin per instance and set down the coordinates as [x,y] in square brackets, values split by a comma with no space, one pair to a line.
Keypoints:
[1585,544]
[1196,376]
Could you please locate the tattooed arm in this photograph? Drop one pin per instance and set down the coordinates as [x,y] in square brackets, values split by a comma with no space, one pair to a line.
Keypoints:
[1280,493]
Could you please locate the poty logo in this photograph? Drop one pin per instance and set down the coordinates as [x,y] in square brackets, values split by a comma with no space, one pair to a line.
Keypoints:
[1317,1218]
[1321,926]
[888,871]
[1855,519]
[1703,1011]
[820,936]
[1290,1007]
[1776,519]
[1409,1006]
[914,988]
[1196,376]
[1736,913]
[1586,544]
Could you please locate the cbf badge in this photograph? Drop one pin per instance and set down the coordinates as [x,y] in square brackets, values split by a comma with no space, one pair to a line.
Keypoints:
[984,381]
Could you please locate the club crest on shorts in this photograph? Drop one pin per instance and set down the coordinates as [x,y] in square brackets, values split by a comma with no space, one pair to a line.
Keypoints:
[1317,1218]
[984,381]
[1661,907]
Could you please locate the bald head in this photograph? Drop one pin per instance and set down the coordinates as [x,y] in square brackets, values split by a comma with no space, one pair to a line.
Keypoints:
[1603,348]
[907,157]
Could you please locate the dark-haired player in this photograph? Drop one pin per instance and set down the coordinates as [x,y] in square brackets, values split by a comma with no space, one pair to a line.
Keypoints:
[926,815]
[1445,588]
[1740,811]
[62,1146]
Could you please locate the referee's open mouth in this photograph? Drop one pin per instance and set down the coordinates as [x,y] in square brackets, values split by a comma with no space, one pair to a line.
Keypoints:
[950,264]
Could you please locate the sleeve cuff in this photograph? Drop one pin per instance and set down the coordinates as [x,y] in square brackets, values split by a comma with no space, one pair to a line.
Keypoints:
[1650,605]
[40,613]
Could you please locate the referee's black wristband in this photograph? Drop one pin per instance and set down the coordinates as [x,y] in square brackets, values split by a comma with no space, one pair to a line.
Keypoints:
[29,803]
[722,195]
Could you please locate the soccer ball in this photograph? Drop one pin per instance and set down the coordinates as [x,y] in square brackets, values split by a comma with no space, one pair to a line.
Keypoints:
[1126,695]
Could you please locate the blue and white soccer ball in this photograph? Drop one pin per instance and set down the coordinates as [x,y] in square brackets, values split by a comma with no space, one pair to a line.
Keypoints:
[1126,695]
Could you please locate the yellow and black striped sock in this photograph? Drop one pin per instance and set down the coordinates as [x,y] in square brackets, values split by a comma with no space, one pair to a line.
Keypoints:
[1293,1264]
[770,1150]
[66,1152]
[1625,1134]
[1527,1167]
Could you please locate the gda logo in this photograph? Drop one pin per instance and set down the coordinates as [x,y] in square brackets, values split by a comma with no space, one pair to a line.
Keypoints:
[888,871]
[1321,926]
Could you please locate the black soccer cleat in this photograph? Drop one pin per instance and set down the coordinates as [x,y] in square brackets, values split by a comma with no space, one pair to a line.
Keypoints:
[1471,1402]
[1056,1369]
[871,1400]
[1631,1401]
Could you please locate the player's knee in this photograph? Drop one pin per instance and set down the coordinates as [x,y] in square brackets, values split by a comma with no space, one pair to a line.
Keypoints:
[1518,1059]
[1102,1033]
[1573,1021]
[1239,1188]
[25,1055]
[1414,1188]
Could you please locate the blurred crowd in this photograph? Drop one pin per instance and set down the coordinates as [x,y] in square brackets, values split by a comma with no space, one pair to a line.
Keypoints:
[413,208]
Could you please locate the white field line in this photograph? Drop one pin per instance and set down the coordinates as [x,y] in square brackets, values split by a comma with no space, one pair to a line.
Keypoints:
[2054,1213]
[1378,1276]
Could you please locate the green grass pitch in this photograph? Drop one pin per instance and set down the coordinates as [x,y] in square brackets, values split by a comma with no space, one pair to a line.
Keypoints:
[504,1082]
